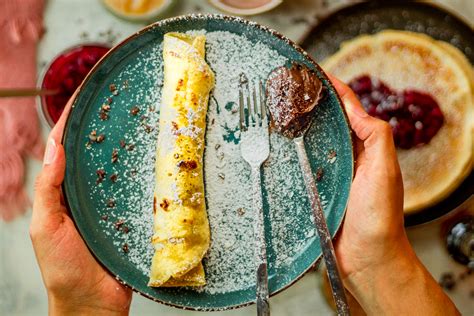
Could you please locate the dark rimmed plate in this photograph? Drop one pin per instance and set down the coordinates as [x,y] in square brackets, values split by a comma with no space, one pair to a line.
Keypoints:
[126,63]
[371,17]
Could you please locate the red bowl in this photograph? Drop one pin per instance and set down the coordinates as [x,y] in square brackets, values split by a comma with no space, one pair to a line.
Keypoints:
[64,74]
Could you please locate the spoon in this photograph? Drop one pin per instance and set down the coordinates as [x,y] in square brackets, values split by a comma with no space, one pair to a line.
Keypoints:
[321,227]
[293,93]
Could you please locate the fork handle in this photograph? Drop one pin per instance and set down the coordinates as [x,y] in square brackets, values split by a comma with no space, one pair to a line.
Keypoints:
[263,305]
[324,236]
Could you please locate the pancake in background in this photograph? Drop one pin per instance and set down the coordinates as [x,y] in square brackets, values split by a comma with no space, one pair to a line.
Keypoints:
[408,65]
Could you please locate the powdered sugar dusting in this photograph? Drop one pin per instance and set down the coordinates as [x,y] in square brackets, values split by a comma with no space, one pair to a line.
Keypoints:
[230,261]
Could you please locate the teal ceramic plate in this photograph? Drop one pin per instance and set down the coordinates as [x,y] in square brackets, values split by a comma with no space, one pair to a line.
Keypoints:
[113,211]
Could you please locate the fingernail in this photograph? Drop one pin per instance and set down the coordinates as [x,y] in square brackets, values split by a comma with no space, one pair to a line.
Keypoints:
[50,152]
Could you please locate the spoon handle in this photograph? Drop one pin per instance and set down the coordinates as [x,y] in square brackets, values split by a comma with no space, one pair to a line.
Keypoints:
[25,92]
[323,232]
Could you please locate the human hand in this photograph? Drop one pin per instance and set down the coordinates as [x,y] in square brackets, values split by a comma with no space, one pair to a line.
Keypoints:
[76,283]
[375,258]
[373,231]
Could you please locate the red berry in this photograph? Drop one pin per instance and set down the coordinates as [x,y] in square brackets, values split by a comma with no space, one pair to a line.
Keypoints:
[415,116]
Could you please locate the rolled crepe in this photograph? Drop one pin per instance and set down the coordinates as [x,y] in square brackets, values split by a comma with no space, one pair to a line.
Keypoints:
[181,228]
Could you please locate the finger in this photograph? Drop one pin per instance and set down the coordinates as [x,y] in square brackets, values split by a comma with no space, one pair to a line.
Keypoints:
[353,104]
[358,118]
[48,183]
[58,129]
[376,134]
[363,124]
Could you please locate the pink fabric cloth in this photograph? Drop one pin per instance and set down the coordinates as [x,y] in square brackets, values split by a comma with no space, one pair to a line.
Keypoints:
[21,26]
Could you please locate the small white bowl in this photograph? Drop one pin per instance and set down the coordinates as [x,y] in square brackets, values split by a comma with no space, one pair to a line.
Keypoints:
[146,17]
[240,11]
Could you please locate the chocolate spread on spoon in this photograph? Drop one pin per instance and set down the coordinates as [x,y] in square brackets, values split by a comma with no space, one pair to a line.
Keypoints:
[292,95]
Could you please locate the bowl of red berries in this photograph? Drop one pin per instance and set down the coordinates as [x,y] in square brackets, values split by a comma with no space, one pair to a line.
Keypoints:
[64,75]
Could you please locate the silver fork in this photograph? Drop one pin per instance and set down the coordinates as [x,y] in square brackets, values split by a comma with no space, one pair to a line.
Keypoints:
[255,148]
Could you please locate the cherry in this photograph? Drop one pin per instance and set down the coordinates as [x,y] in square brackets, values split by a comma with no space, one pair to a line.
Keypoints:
[66,73]
[415,117]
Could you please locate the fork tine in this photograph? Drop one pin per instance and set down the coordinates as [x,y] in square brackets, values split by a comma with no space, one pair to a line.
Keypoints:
[255,108]
[242,111]
[249,104]
[263,104]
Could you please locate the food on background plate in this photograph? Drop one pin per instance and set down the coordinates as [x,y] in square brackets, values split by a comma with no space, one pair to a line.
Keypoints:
[424,89]
[65,73]
[181,228]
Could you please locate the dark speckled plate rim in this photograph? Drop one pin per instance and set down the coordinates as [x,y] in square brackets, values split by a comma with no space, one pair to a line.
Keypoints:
[359,6]
[252,24]
[465,189]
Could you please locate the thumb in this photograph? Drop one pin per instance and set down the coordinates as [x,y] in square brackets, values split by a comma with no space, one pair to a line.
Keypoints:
[48,183]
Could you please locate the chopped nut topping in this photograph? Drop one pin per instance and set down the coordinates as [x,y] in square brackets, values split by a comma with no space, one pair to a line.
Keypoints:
[110,203]
[125,84]
[118,224]
[221,175]
[175,128]
[114,178]
[148,128]
[319,174]
[100,175]
[122,143]
[114,155]
[100,138]
[93,136]
[105,217]
[134,111]
[332,154]
[180,84]
[130,147]
[240,211]
[187,164]
[103,115]
[125,248]
[164,204]
[112,87]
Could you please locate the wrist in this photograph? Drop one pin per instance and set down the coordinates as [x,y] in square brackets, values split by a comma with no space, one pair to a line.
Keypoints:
[402,278]
[376,285]
[60,306]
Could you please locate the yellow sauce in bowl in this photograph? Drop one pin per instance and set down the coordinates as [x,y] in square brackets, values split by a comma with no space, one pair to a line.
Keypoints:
[137,9]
